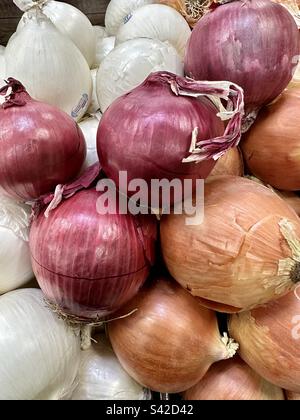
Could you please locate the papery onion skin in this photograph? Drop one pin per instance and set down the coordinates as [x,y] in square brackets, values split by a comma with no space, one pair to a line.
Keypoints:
[233,380]
[169,343]
[269,340]
[101,377]
[40,354]
[134,144]
[218,50]
[40,147]
[271,148]
[229,164]
[88,264]
[293,200]
[238,257]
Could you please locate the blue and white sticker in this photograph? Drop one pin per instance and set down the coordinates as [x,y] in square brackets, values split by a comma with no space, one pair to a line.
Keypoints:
[81,105]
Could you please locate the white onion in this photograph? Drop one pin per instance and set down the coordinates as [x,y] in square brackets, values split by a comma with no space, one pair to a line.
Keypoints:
[49,65]
[100,33]
[156,21]
[15,264]
[2,66]
[39,353]
[101,376]
[70,21]
[130,64]
[94,104]
[118,10]
[103,48]
[89,127]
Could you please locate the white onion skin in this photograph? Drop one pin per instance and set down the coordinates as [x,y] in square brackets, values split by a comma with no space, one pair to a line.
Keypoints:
[231,260]
[101,377]
[89,128]
[269,341]
[233,380]
[156,21]
[130,64]
[170,342]
[117,10]
[40,354]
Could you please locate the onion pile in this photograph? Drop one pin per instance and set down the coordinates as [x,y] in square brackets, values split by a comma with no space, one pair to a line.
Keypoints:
[103,47]
[174,110]
[233,380]
[244,254]
[156,21]
[130,63]
[15,264]
[269,341]
[40,354]
[101,377]
[40,145]
[29,56]
[272,147]
[218,50]
[90,263]
[170,342]
[70,21]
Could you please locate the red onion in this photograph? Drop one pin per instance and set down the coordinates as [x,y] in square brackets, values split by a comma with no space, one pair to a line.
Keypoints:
[40,146]
[252,43]
[148,132]
[87,264]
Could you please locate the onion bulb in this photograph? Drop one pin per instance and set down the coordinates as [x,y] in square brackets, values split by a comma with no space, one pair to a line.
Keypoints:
[2,62]
[130,63]
[103,48]
[40,354]
[231,163]
[233,380]
[272,147]
[91,263]
[269,340]
[15,264]
[292,199]
[118,10]
[156,21]
[89,128]
[40,145]
[292,396]
[245,252]
[170,342]
[221,51]
[49,65]
[70,21]
[101,377]
[293,7]
[94,105]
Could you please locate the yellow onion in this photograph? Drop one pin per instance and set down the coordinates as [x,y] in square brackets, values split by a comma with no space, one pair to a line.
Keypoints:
[231,163]
[191,10]
[233,380]
[292,396]
[245,253]
[170,342]
[272,147]
[269,340]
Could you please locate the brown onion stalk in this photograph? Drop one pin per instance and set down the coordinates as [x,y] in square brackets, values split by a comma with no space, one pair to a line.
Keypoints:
[272,147]
[170,342]
[269,340]
[245,252]
[191,10]
[233,380]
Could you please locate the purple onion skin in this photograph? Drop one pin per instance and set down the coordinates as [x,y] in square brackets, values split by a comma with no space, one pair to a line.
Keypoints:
[148,133]
[40,147]
[90,264]
[251,43]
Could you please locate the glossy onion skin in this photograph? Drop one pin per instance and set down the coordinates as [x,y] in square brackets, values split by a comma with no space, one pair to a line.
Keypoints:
[251,43]
[90,264]
[269,341]
[150,137]
[233,380]
[40,147]
[272,147]
[169,343]
[231,260]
